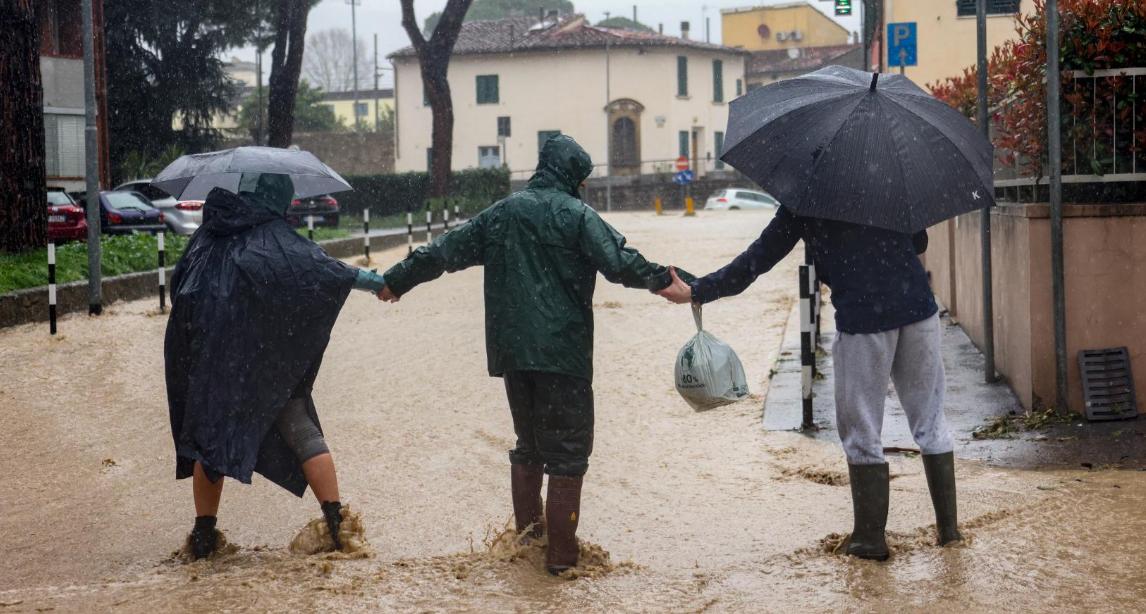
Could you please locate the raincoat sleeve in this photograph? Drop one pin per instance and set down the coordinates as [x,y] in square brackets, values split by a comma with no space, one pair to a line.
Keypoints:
[605,248]
[456,250]
[778,238]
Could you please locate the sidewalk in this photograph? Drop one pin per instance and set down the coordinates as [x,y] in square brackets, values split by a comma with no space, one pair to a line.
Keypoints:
[970,403]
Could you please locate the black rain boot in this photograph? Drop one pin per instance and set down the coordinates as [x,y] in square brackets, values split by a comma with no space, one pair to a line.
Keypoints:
[940,470]
[562,511]
[332,511]
[204,540]
[525,485]
[869,506]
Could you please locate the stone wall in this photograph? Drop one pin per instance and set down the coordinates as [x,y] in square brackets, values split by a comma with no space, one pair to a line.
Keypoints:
[348,153]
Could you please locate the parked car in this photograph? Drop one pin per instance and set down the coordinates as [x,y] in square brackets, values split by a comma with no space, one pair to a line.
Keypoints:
[127,213]
[182,216]
[740,199]
[324,209]
[66,221]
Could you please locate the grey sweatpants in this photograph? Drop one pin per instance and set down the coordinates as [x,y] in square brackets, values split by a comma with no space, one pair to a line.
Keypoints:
[910,356]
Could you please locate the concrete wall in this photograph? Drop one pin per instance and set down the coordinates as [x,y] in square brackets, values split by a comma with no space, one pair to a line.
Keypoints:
[63,80]
[348,153]
[1105,275]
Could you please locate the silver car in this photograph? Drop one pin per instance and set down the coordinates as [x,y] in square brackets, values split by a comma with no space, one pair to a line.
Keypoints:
[182,216]
[736,198]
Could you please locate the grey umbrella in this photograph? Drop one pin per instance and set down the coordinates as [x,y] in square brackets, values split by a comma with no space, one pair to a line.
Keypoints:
[192,177]
[867,148]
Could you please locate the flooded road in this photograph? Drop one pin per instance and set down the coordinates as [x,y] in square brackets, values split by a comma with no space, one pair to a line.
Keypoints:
[682,511]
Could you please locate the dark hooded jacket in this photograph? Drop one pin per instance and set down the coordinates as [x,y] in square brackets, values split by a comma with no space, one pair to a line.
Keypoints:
[253,304]
[541,249]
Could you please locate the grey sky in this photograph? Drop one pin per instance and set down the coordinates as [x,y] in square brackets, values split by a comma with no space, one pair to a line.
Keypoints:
[383,17]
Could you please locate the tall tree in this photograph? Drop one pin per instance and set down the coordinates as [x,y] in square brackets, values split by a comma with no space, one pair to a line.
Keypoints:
[286,66]
[23,206]
[310,114]
[434,60]
[329,61]
[500,9]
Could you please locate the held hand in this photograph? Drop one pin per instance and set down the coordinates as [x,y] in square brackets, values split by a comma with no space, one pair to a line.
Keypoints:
[676,292]
[385,294]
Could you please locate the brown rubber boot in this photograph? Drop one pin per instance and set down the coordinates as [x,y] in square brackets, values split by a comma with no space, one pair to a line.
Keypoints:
[525,483]
[562,511]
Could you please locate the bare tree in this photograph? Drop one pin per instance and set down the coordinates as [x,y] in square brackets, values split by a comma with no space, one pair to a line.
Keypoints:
[434,60]
[329,61]
[286,66]
[23,206]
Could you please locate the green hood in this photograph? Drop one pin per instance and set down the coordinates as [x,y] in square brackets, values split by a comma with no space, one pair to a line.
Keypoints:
[270,191]
[563,165]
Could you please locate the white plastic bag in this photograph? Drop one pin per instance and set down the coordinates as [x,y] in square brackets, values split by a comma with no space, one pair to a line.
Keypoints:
[708,372]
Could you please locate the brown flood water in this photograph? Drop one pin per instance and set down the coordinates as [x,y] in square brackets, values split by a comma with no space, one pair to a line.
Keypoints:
[682,511]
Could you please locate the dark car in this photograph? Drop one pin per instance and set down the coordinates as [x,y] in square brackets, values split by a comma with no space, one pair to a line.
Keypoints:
[323,208]
[66,221]
[127,213]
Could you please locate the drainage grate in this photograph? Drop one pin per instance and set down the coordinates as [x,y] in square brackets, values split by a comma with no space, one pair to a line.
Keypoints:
[1107,384]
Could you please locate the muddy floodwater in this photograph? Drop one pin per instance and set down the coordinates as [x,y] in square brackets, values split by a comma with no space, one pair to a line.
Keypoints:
[682,511]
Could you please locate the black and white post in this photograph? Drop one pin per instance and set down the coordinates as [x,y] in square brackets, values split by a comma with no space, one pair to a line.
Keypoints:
[457,214]
[52,287]
[807,351]
[446,215]
[162,250]
[429,223]
[310,227]
[409,230]
[366,233]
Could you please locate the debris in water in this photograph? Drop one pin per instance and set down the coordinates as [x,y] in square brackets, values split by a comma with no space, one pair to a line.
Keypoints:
[314,538]
[827,477]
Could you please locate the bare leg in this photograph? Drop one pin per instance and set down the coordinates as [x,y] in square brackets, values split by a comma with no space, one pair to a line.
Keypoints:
[207,493]
[319,472]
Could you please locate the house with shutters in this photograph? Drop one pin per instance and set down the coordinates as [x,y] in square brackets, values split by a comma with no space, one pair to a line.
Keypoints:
[645,97]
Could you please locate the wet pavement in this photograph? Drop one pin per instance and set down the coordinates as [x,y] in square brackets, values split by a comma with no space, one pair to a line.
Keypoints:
[682,511]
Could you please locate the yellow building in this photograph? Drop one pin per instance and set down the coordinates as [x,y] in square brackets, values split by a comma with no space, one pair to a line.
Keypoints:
[945,33]
[373,105]
[781,26]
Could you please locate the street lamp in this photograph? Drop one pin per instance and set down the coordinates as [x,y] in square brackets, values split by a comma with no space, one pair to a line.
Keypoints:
[354,48]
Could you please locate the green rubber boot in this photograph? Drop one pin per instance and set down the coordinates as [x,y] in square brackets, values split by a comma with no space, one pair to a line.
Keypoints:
[869,506]
[940,470]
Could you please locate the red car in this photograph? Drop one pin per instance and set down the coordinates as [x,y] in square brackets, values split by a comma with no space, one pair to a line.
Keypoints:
[66,221]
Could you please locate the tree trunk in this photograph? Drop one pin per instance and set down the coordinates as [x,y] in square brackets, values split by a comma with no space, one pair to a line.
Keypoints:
[286,65]
[23,198]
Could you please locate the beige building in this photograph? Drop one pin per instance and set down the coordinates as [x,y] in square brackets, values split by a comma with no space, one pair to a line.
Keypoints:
[945,33]
[783,26]
[373,106]
[516,82]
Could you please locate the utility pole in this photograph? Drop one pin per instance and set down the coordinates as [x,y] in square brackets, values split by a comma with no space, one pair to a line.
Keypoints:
[259,78]
[91,165]
[608,130]
[354,45]
[1054,155]
[985,214]
[377,121]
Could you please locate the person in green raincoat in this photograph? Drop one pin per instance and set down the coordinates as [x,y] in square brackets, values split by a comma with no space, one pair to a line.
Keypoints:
[541,249]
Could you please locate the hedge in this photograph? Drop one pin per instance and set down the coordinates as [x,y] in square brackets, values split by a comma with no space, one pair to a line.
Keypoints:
[472,190]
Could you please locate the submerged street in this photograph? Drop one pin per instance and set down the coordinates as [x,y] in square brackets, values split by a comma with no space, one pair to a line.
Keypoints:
[682,511]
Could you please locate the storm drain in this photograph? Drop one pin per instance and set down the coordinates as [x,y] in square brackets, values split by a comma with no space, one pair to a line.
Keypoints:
[1107,384]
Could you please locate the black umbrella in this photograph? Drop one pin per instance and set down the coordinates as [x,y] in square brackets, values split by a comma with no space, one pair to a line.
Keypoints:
[867,148]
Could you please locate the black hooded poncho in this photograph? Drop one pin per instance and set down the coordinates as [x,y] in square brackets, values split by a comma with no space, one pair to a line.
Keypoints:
[253,304]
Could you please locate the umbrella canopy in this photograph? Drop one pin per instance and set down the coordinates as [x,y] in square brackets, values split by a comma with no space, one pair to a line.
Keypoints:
[859,147]
[192,177]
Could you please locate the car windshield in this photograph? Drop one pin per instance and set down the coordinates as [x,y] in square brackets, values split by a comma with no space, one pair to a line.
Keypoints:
[59,198]
[125,200]
[148,190]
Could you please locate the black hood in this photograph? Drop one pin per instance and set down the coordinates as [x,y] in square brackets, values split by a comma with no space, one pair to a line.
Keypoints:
[225,213]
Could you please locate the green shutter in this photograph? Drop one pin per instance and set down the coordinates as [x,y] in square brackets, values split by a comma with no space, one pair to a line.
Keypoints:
[719,148]
[683,137]
[487,89]
[739,87]
[681,75]
[717,81]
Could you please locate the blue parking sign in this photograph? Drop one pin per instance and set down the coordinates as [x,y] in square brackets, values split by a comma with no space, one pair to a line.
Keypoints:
[901,44]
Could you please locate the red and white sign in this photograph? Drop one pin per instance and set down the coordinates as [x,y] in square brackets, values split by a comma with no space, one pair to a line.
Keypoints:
[682,163]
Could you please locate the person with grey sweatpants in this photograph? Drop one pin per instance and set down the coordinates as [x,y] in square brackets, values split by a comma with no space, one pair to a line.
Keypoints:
[888,330]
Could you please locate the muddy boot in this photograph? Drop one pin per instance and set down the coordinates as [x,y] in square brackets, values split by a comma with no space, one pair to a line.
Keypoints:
[204,540]
[562,511]
[869,506]
[332,511]
[525,483]
[940,470]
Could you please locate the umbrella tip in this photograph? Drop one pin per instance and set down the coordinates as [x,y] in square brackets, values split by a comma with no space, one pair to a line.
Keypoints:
[874,78]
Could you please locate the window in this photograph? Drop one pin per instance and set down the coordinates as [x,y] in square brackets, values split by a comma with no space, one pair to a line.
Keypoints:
[966,8]
[503,126]
[545,135]
[361,109]
[681,75]
[719,136]
[429,158]
[683,139]
[64,145]
[487,89]
[489,156]
[739,87]
[717,81]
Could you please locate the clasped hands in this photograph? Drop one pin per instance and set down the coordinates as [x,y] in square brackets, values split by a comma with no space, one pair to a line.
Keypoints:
[677,291]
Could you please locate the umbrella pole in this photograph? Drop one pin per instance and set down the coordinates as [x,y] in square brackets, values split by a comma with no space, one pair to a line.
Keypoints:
[985,213]
[1054,154]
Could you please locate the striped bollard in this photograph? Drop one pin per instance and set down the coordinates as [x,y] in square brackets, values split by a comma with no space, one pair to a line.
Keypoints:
[310,227]
[457,214]
[807,353]
[366,233]
[409,230]
[819,305]
[429,222]
[446,215]
[162,272]
[52,287]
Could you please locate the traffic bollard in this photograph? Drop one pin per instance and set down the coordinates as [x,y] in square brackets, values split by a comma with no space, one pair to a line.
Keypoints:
[51,287]
[658,205]
[429,222]
[366,233]
[409,230]
[310,227]
[162,249]
[689,207]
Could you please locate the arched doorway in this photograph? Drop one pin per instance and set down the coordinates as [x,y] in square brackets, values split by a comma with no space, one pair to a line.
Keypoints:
[625,136]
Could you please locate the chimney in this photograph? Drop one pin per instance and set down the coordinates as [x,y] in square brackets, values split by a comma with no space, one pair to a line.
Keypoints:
[660,28]
[634,12]
[684,30]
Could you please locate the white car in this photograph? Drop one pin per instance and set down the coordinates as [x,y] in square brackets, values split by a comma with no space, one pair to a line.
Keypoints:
[182,216]
[740,199]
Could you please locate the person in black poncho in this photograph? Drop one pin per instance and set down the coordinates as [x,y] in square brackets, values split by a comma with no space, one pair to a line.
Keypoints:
[253,304]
